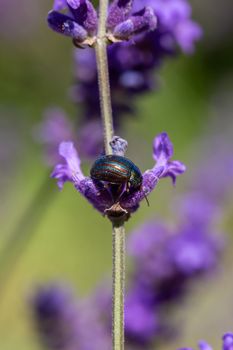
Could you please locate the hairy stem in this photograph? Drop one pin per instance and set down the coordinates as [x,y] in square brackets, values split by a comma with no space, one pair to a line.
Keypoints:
[118,240]
[118,250]
[103,76]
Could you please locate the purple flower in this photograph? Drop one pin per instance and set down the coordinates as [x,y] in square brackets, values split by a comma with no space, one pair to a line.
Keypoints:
[122,24]
[102,197]
[55,128]
[132,64]
[197,209]
[129,73]
[227,343]
[70,171]
[141,321]
[174,17]
[56,316]
[66,324]
[195,251]
[80,22]
[165,260]
[95,142]
[186,34]
[163,151]
[217,160]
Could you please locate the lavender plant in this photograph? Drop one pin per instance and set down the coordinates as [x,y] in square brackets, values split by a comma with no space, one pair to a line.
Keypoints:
[132,63]
[116,186]
[227,343]
[167,260]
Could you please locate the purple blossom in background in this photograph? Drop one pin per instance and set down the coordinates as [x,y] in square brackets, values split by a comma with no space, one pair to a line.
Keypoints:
[175,22]
[166,24]
[142,324]
[197,209]
[56,317]
[131,65]
[227,343]
[67,324]
[165,262]
[103,197]
[94,146]
[213,179]
[55,128]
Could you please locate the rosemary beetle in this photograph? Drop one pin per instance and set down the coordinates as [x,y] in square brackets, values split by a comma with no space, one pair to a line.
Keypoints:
[117,170]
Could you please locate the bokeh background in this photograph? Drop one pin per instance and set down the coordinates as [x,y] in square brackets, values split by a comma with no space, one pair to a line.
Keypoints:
[50,235]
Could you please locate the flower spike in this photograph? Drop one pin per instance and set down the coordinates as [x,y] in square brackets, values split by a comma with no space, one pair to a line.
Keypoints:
[102,196]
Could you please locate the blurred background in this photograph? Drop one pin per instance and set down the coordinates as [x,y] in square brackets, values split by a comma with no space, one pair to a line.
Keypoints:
[48,235]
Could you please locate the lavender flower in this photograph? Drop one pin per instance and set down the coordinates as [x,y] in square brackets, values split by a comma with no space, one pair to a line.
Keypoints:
[227,343]
[102,197]
[142,324]
[175,23]
[94,145]
[132,65]
[122,24]
[64,323]
[55,128]
[56,317]
[81,22]
[165,261]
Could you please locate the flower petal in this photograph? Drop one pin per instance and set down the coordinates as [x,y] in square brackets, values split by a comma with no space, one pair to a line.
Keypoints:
[173,169]
[65,25]
[227,341]
[62,174]
[69,153]
[162,147]
[118,12]
[186,34]
[204,346]
[84,13]
[71,170]
[142,21]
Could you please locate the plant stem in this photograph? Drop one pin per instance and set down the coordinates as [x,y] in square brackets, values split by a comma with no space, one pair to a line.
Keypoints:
[118,235]
[103,76]
[118,272]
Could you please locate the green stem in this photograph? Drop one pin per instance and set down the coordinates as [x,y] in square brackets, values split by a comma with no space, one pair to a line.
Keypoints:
[103,76]
[118,246]
[118,273]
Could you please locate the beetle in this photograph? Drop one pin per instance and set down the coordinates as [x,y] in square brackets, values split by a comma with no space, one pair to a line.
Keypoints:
[117,170]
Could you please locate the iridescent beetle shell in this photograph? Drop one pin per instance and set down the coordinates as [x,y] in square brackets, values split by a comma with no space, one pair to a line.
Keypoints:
[116,170]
